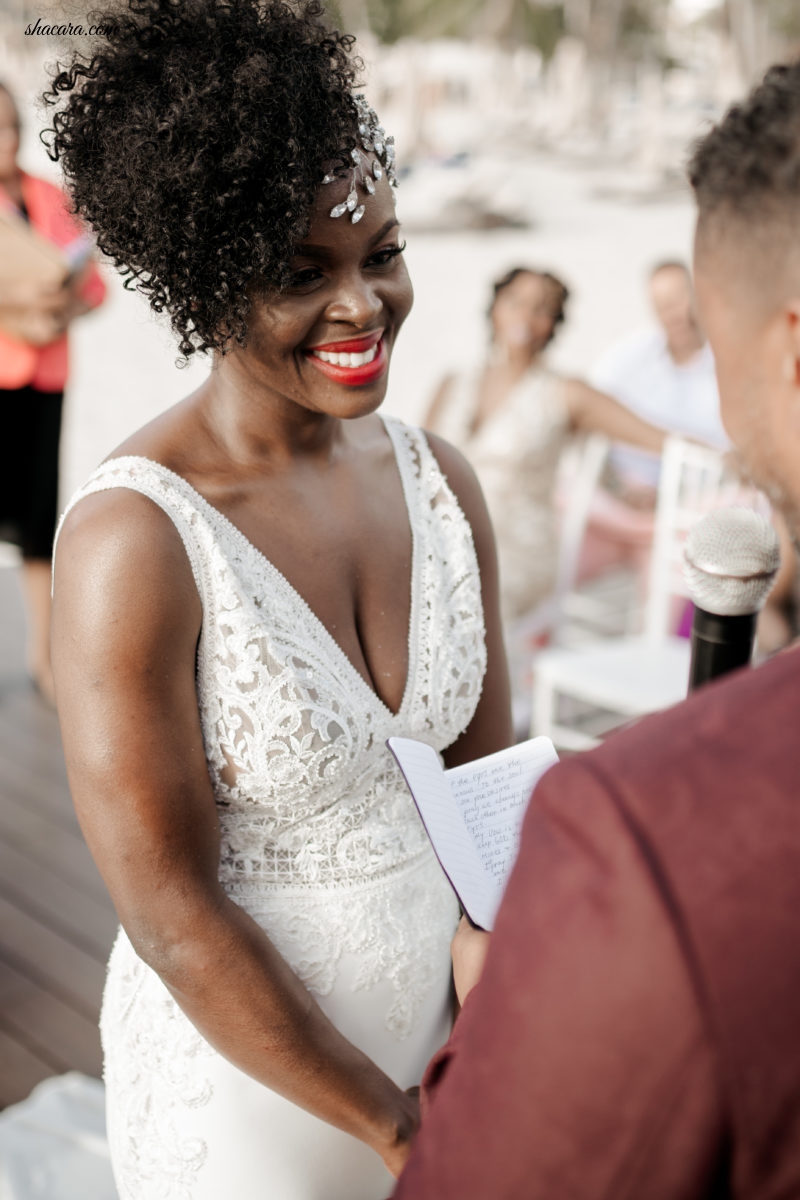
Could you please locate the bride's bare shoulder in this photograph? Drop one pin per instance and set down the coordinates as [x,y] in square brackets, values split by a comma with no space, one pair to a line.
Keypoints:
[113,545]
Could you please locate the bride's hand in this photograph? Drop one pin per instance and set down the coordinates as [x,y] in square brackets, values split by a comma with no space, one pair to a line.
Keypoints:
[395,1156]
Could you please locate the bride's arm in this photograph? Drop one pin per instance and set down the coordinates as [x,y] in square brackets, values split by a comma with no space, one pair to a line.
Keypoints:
[126,623]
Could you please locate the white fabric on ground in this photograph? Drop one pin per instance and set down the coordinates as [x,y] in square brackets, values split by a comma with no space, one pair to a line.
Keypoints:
[53,1145]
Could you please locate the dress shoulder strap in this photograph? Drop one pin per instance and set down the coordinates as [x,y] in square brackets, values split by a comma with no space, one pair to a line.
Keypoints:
[439,526]
[420,473]
[173,495]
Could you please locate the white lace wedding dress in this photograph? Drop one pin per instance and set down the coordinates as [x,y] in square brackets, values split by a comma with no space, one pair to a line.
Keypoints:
[321,844]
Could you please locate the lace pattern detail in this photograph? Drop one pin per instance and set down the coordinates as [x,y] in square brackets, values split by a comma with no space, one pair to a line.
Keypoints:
[153,1057]
[396,929]
[156,1061]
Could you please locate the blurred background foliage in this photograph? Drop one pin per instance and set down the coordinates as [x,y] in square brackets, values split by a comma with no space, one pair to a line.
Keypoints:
[590,50]
[608,28]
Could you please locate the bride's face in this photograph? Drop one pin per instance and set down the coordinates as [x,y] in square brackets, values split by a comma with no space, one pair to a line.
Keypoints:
[325,343]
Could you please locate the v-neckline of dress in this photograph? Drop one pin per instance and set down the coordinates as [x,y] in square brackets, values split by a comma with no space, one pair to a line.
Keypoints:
[291,591]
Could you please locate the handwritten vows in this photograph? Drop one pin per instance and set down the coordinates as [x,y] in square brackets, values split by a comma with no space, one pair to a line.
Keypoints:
[473,814]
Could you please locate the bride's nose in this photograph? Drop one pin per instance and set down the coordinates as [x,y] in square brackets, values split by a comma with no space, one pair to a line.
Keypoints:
[357,301]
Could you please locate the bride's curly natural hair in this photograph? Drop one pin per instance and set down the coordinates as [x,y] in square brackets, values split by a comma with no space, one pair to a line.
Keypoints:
[193,138]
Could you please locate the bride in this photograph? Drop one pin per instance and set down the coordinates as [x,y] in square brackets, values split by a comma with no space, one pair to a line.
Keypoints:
[251,595]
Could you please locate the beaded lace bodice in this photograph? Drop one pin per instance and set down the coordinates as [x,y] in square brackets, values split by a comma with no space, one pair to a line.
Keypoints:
[306,792]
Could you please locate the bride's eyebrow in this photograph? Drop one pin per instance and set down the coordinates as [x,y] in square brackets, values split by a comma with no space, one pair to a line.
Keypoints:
[309,250]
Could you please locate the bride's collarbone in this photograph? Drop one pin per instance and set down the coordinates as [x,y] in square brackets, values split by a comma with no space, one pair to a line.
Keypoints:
[346,541]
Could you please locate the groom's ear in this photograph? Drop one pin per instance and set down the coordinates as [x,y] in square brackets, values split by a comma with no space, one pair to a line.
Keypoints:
[791,365]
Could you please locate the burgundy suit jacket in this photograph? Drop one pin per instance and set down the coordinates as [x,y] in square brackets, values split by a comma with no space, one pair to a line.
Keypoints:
[636,1031]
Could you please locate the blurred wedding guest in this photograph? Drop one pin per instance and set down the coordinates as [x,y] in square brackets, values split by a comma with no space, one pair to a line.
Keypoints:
[665,373]
[34,319]
[635,1030]
[512,417]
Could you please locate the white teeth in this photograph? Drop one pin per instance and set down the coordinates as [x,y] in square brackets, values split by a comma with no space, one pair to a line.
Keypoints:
[348,360]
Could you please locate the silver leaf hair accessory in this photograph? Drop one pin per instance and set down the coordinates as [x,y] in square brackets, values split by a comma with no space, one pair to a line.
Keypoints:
[373,140]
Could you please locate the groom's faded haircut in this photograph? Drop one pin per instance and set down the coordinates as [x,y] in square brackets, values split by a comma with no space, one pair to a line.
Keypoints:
[746,171]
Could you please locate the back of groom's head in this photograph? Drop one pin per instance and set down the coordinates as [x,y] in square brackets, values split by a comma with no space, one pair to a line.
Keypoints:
[746,171]
[746,178]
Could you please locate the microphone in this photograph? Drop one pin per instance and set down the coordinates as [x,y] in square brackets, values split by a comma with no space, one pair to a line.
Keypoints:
[730,563]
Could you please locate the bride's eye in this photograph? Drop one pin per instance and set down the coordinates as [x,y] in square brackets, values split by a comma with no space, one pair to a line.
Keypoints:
[382,258]
[304,276]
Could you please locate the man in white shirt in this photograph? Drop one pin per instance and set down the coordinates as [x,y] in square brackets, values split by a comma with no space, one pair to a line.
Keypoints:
[665,374]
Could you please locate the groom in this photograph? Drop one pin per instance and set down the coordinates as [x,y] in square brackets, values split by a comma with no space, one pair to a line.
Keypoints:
[636,1032]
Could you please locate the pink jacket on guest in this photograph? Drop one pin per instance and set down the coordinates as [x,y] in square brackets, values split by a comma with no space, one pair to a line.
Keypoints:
[45,367]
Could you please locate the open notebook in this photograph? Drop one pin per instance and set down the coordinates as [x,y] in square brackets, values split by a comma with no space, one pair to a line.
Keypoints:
[473,814]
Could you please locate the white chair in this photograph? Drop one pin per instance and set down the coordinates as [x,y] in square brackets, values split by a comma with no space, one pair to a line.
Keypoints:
[586,459]
[631,676]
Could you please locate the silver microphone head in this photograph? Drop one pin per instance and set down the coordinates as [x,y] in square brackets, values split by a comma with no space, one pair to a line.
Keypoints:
[730,561]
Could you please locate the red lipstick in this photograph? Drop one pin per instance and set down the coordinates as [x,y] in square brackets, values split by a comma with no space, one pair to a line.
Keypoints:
[354,345]
[335,359]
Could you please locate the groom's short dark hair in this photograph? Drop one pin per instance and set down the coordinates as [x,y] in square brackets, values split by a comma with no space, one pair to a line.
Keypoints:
[748,166]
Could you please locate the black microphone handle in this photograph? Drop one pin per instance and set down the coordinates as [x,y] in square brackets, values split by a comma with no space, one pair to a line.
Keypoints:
[719,644]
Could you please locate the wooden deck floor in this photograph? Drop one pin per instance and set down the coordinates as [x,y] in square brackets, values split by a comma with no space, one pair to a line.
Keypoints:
[56,920]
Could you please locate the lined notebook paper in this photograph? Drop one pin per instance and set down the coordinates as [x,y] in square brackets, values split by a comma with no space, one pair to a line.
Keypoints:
[473,814]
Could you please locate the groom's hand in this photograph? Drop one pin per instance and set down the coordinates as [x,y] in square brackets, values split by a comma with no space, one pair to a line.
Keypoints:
[468,948]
